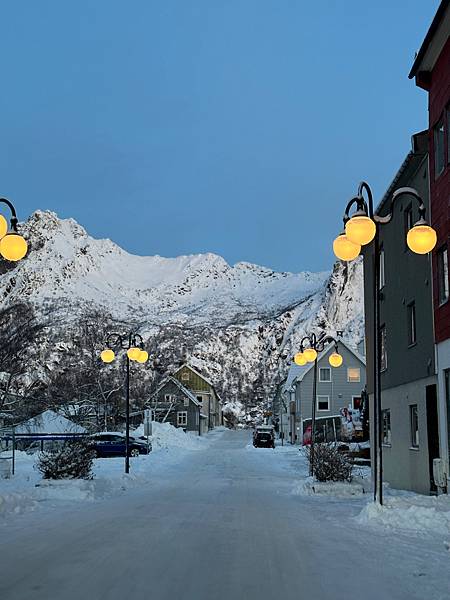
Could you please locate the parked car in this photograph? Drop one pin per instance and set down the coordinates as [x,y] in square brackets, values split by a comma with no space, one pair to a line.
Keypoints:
[264,437]
[112,443]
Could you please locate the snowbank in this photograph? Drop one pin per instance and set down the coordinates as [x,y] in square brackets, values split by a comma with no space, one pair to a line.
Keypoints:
[166,436]
[339,489]
[411,512]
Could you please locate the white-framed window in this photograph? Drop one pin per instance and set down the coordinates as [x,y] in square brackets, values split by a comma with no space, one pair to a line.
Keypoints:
[439,147]
[169,398]
[353,374]
[182,418]
[414,425]
[386,420]
[185,376]
[323,403]
[325,374]
[186,401]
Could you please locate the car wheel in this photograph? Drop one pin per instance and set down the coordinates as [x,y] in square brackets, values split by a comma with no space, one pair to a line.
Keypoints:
[134,452]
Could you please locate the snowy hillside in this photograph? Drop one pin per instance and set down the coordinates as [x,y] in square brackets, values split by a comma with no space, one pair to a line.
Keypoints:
[241,324]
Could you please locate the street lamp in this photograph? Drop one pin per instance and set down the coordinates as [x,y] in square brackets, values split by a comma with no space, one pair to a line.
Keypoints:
[13,246]
[133,344]
[361,229]
[309,354]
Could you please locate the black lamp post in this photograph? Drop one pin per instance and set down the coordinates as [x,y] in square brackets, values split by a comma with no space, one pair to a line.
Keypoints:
[362,228]
[310,353]
[134,346]
[13,247]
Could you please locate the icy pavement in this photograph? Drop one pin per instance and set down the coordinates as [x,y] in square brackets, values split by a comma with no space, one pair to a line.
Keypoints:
[220,523]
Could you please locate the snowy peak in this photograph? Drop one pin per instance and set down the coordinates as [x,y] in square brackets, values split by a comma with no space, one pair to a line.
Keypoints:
[65,263]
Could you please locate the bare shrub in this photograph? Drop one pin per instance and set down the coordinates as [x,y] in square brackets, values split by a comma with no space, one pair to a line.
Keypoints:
[329,464]
[72,460]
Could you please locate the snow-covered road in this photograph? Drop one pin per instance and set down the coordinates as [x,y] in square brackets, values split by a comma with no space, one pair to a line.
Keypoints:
[219,523]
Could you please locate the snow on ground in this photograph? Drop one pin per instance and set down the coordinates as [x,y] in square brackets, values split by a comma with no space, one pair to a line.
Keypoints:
[26,490]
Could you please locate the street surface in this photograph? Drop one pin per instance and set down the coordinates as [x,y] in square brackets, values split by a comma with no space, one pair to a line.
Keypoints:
[221,524]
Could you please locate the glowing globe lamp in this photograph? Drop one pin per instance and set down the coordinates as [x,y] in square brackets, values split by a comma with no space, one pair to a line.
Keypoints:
[133,353]
[310,354]
[3,226]
[344,249]
[335,359]
[107,356]
[143,357]
[300,359]
[13,247]
[421,238]
[360,230]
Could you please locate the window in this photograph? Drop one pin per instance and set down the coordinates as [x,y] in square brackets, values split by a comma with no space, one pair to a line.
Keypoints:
[383,349]
[185,376]
[442,273]
[353,374]
[323,403]
[439,151]
[381,266]
[186,401]
[408,222]
[325,374]
[182,418]
[411,312]
[169,398]
[386,421]
[414,425]
[356,403]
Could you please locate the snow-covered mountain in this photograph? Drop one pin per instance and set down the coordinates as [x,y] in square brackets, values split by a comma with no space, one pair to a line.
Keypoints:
[240,324]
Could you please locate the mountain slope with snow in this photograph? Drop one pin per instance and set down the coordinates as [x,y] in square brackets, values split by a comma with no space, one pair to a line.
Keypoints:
[240,324]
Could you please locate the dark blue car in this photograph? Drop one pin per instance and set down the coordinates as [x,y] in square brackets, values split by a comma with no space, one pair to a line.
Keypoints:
[112,443]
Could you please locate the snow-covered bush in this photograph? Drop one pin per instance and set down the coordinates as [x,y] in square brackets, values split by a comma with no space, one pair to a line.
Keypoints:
[72,460]
[329,464]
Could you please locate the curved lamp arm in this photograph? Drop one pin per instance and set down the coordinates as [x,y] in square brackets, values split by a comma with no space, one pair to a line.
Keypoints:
[13,220]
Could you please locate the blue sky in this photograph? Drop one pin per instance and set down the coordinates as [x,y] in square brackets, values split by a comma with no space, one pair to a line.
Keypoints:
[239,127]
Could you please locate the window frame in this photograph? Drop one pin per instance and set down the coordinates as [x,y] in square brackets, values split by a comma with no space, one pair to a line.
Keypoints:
[414,438]
[442,275]
[182,416]
[317,403]
[383,349]
[386,430]
[382,268]
[185,376]
[320,374]
[439,146]
[360,402]
[412,323]
[349,380]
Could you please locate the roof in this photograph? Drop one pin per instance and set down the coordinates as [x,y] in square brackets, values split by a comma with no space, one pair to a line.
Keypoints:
[414,158]
[49,422]
[420,61]
[208,381]
[180,386]
[297,372]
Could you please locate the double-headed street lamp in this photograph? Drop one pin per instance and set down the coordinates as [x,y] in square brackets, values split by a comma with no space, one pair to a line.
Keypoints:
[310,346]
[13,246]
[361,229]
[134,346]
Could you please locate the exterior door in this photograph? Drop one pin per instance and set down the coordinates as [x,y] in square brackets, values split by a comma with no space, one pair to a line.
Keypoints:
[432,429]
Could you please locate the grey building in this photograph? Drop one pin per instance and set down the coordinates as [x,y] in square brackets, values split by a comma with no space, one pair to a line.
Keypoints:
[175,404]
[337,388]
[408,380]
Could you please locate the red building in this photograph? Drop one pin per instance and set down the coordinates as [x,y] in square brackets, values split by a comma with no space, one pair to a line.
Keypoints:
[431,70]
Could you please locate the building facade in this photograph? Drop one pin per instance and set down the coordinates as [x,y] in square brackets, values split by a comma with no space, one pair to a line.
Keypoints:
[205,393]
[431,70]
[408,373]
[337,389]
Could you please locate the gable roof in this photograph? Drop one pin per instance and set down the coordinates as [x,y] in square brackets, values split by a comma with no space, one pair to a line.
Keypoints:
[49,422]
[180,386]
[298,372]
[208,381]
[424,62]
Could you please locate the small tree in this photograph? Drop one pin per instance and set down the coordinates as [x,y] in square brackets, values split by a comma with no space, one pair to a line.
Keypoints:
[329,464]
[72,460]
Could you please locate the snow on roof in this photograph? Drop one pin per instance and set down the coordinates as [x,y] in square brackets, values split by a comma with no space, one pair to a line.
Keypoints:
[49,422]
[181,387]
